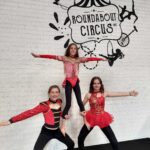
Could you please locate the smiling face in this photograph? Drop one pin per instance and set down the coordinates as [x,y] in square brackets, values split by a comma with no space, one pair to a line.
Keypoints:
[54,93]
[96,85]
[73,50]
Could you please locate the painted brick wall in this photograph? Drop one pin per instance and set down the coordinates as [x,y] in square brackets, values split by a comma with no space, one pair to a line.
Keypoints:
[24,80]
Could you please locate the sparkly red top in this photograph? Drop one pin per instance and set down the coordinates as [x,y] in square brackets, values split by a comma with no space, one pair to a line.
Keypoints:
[97,104]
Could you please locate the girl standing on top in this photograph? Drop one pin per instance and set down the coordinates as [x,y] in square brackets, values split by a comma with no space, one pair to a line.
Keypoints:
[71,62]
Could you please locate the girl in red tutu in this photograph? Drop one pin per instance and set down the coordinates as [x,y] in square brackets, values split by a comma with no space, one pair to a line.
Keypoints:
[97,116]
[71,62]
[51,110]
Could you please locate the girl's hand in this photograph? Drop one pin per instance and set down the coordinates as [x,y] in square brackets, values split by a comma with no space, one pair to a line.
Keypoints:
[4,123]
[83,113]
[133,93]
[67,116]
[35,55]
[105,59]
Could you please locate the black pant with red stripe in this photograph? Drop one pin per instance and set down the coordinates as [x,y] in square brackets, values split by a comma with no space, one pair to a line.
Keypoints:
[46,135]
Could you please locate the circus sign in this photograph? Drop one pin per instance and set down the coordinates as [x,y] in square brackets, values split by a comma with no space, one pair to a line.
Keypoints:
[94,23]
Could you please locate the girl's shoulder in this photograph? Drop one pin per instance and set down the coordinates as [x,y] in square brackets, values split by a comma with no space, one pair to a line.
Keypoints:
[59,101]
[88,95]
[105,94]
[45,103]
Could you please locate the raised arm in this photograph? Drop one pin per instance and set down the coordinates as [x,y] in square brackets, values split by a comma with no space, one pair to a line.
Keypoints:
[56,57]
[27,114]
[87,59]
[121,94]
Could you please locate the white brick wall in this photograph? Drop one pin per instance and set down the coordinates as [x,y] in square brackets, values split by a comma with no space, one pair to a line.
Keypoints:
[24,80]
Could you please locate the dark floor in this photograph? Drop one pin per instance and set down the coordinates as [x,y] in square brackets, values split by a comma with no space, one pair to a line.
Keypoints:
[141,144]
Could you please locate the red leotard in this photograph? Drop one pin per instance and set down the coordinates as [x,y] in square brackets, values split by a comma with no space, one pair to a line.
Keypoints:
[96,116]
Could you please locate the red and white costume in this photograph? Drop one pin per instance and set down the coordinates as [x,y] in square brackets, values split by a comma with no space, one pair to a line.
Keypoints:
[71,69]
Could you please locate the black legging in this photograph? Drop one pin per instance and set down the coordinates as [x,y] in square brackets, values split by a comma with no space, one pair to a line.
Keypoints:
[46,135]
[68,92]
[107,131]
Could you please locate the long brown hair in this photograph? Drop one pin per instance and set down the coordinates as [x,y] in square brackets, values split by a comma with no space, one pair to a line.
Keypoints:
[67,53]
[91,89]
[53,87]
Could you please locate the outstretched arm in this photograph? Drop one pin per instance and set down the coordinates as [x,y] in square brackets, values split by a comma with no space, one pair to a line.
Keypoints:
[87,59]
[29,113]
[56,57]
[121,94]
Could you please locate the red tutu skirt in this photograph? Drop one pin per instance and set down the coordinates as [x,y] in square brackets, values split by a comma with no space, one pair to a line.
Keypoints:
[102,119]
